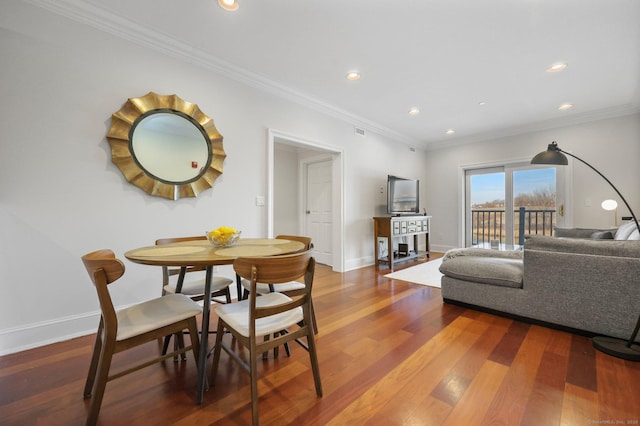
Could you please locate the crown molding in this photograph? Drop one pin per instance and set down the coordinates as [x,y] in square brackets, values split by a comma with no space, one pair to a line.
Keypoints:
[93,16]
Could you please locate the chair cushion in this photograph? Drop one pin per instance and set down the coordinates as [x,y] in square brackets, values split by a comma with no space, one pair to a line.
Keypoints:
[153,314]
[237,315]
[280,288]
[486,270]
[196,287]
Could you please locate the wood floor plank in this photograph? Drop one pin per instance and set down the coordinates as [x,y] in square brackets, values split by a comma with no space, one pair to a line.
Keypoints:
[507,349]
[401,407]
[546,401]
[579,406]
[544,405]
[428,412]
[377,393]
[618,391]
[455,384]
[477,399]
[582,361]
[26,365]
[404,374]
[510,401]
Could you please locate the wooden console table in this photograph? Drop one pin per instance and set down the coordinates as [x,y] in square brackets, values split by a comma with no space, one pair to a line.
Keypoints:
[395,227]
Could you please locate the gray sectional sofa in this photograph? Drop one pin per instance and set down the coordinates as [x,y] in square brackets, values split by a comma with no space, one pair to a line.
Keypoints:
[585,285]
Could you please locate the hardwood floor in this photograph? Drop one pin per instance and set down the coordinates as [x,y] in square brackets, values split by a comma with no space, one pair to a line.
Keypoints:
[390,354]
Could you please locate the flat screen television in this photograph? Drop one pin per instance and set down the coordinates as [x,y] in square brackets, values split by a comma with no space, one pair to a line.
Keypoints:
[403,195]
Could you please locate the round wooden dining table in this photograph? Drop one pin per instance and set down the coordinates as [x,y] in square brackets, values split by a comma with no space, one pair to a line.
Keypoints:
[202,253]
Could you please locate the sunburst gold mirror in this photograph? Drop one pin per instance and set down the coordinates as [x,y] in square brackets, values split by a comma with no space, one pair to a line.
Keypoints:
[166,146]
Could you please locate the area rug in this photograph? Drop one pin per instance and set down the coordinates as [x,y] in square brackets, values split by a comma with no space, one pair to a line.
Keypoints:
[426,273]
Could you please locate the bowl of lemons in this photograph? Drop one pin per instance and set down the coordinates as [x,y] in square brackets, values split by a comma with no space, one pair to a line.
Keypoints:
[223,236]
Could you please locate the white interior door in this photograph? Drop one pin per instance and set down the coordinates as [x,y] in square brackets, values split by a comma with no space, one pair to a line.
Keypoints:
[319,209]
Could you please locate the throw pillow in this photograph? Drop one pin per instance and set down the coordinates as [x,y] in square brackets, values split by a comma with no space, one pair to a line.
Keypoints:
[602,235]
[625,231]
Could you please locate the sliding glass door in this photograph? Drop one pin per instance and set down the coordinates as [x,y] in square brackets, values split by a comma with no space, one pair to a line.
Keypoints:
[508,202]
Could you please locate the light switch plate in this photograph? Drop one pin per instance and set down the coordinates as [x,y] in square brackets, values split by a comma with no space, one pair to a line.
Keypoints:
[259,200]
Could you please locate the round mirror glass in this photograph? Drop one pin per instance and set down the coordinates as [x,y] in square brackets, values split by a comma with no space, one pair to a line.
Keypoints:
[170,147]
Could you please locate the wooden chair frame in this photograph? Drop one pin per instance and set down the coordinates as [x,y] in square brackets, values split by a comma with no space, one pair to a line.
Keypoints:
[276,270]
[308,245]
[104,269]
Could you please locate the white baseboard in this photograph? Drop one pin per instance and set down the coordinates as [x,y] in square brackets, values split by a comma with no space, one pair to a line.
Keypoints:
[358,263]
[441,249]
[40,334]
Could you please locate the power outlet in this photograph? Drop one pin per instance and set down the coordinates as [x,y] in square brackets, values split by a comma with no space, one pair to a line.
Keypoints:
[259,200]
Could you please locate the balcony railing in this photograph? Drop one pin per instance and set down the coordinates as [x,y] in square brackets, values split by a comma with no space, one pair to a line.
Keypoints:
[487,225]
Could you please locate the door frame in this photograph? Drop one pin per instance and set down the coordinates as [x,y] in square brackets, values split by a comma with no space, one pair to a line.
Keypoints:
[337,161]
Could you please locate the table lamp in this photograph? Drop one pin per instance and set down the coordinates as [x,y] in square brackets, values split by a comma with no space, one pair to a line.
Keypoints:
[611,205]
[629,350]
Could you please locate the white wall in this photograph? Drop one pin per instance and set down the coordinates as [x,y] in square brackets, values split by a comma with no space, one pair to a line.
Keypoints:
[286,203]
[61,197]
[611,145]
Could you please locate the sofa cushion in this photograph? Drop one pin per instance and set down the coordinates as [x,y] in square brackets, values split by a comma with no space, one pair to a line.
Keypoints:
[487,270]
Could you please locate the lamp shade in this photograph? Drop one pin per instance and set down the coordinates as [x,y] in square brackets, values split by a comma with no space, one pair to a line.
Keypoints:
[609,205]
[552,155]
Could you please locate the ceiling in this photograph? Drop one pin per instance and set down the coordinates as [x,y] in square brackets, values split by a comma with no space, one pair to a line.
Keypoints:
[445,57]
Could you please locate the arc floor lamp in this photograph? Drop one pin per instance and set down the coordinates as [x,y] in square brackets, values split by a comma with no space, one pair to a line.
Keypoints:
[629,350]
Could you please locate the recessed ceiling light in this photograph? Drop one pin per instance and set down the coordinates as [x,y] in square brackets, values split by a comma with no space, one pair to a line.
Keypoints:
[557,67]
[414,111]
[450,131]
[353,76]
[230,5]
[565,107]
[482,103]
